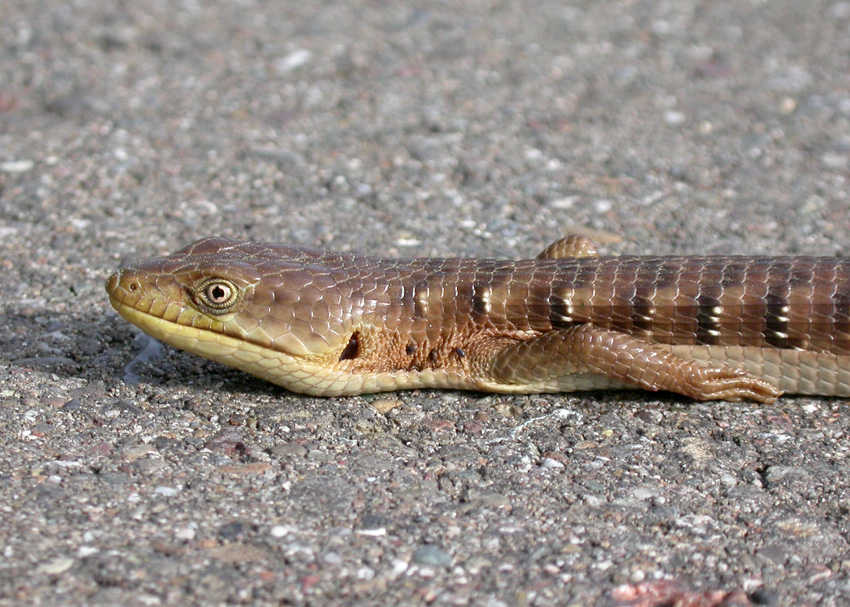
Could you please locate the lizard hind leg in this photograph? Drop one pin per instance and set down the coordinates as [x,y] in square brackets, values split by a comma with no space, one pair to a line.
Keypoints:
[575,245]
[556,358]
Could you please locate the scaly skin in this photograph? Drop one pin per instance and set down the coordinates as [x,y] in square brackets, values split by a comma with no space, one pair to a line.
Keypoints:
[329,323]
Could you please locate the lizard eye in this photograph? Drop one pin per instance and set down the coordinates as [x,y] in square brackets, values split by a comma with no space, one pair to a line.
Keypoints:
[217,294]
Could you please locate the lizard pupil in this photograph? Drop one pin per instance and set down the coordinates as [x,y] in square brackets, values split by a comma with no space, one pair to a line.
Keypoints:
[218,293]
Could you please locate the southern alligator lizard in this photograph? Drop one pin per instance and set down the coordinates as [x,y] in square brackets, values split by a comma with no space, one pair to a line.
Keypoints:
[328,323]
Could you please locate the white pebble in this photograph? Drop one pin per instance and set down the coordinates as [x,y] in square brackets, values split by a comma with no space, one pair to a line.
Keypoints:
[16,166]
[56,566]
[549,462]
[292,61]
[279,531]
[84,551]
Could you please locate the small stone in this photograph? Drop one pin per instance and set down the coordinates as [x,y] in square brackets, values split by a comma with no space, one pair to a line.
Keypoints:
[234,530]
[73,405]
[244,469]
[728,479]
[187,533]
[835,161]
[122,406]
[642,493]
[674,118]
[593,500]
[777,473]
[385,405]
[564,203]
[280,531]
[229,441]
[787,105]
[431,556]
[285,449]
[365,573]
[399,566]
[316,455]
[17,166]
[372,521]
[148,466]
[602,206]
[549,462]
[292,61]
[332,558]
[379,532]
[56,566]
[239,553]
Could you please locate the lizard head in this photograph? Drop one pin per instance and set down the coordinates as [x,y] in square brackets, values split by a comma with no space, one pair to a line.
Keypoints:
[251,306]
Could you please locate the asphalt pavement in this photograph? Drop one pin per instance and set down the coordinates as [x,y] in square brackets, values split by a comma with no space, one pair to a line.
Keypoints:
[479,128]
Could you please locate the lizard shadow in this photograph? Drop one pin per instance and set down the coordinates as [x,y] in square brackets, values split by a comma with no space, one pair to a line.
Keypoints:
[93,346]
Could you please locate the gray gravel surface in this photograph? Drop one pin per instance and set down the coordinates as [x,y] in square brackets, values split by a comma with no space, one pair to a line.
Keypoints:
[466,128]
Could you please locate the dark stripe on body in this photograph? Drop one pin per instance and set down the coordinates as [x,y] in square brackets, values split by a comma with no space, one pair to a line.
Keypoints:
[777,320]
[709,311]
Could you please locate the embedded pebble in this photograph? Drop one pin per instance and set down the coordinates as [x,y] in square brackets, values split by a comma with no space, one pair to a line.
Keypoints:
[56,566]
[431,556]
[16,166]
[427,129]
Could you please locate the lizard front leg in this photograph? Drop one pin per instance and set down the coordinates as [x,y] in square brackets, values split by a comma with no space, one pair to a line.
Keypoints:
[585,349]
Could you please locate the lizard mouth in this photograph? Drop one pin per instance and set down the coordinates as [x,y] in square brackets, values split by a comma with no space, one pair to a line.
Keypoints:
[218,347]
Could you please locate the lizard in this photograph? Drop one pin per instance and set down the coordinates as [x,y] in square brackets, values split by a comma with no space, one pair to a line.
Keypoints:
[330,323]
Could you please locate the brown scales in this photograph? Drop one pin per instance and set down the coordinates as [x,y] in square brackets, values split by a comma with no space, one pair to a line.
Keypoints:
[529,325]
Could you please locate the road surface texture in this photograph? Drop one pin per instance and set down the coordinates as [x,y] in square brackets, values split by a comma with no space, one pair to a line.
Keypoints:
[136,475]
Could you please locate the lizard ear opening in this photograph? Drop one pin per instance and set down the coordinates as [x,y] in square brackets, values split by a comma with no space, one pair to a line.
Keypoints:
[352,349]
